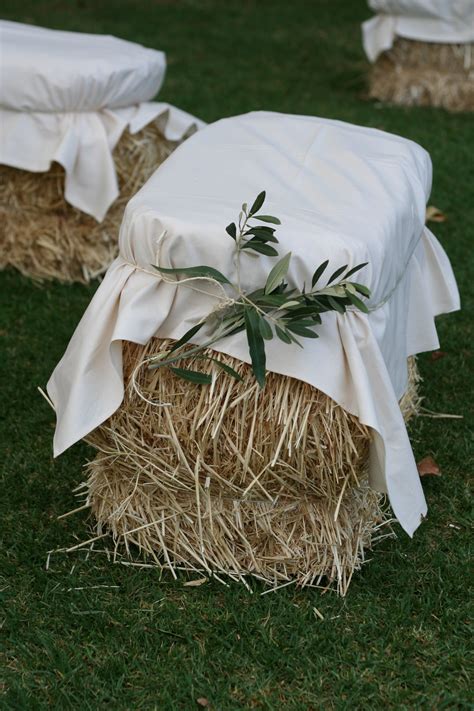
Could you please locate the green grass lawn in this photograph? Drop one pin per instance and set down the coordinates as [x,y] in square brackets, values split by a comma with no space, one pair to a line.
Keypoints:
[88,634]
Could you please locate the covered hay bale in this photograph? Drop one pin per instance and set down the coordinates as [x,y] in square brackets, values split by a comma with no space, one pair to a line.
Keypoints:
[230,479]
[44,237]
[414,73]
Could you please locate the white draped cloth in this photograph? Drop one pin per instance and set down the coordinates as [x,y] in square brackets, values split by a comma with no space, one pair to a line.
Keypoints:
[443,21]
[344,193]
[68,97]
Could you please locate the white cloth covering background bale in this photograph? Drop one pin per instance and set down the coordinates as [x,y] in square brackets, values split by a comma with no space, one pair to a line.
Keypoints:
[44,237]
[422,53]
[79,136]
[67,97]
[436,21]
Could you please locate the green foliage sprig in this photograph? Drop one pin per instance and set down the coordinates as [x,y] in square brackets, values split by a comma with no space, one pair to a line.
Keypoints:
[271,311]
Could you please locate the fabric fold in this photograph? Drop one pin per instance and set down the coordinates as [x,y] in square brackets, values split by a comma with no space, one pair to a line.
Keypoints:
[391,455]
[82,142]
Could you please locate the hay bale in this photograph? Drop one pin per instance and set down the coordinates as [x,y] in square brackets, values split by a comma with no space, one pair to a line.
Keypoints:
[46,238]
[233,480]
[416,73]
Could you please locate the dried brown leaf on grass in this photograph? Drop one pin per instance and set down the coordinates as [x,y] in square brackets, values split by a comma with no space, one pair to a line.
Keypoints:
[428,467]
[434,214]
[437,355]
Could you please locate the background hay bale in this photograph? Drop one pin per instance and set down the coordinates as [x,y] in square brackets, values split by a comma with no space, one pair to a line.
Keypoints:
[416,73]
[46,238]
[234,480]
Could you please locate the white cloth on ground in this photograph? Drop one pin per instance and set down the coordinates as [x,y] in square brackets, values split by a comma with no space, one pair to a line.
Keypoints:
[344,193]
[68,97]
[443,21]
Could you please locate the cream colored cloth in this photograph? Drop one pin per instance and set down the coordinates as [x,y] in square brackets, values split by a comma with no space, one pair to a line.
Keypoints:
[444,21]
[344,193]
[68,97]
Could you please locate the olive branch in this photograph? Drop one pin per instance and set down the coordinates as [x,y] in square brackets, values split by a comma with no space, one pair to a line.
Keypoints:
[271,311]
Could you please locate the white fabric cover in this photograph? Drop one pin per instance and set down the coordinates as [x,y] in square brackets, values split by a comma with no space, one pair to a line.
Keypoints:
[343,192]
[68,97]
[50,70]
[444,21]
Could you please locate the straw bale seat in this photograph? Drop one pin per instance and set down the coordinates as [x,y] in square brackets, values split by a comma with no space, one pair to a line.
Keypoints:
[422,53]
[283,483]
[45,237]
[414,73]
[79,137]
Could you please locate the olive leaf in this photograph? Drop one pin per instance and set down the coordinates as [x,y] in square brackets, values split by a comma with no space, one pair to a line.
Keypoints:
[357,302]
[334,290]
[265,329]
[277,274]
[337,273]
[232,230]
[317,274]
[282,334]
[187,336]
[259,200]
[355,269]
[273,300]
[365,291]
[301,330]
[200,271]
[226,368]
[260,247]
[192,375]
[336,305]
[263,233]
[267,218]
[298,312]
[256,344]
